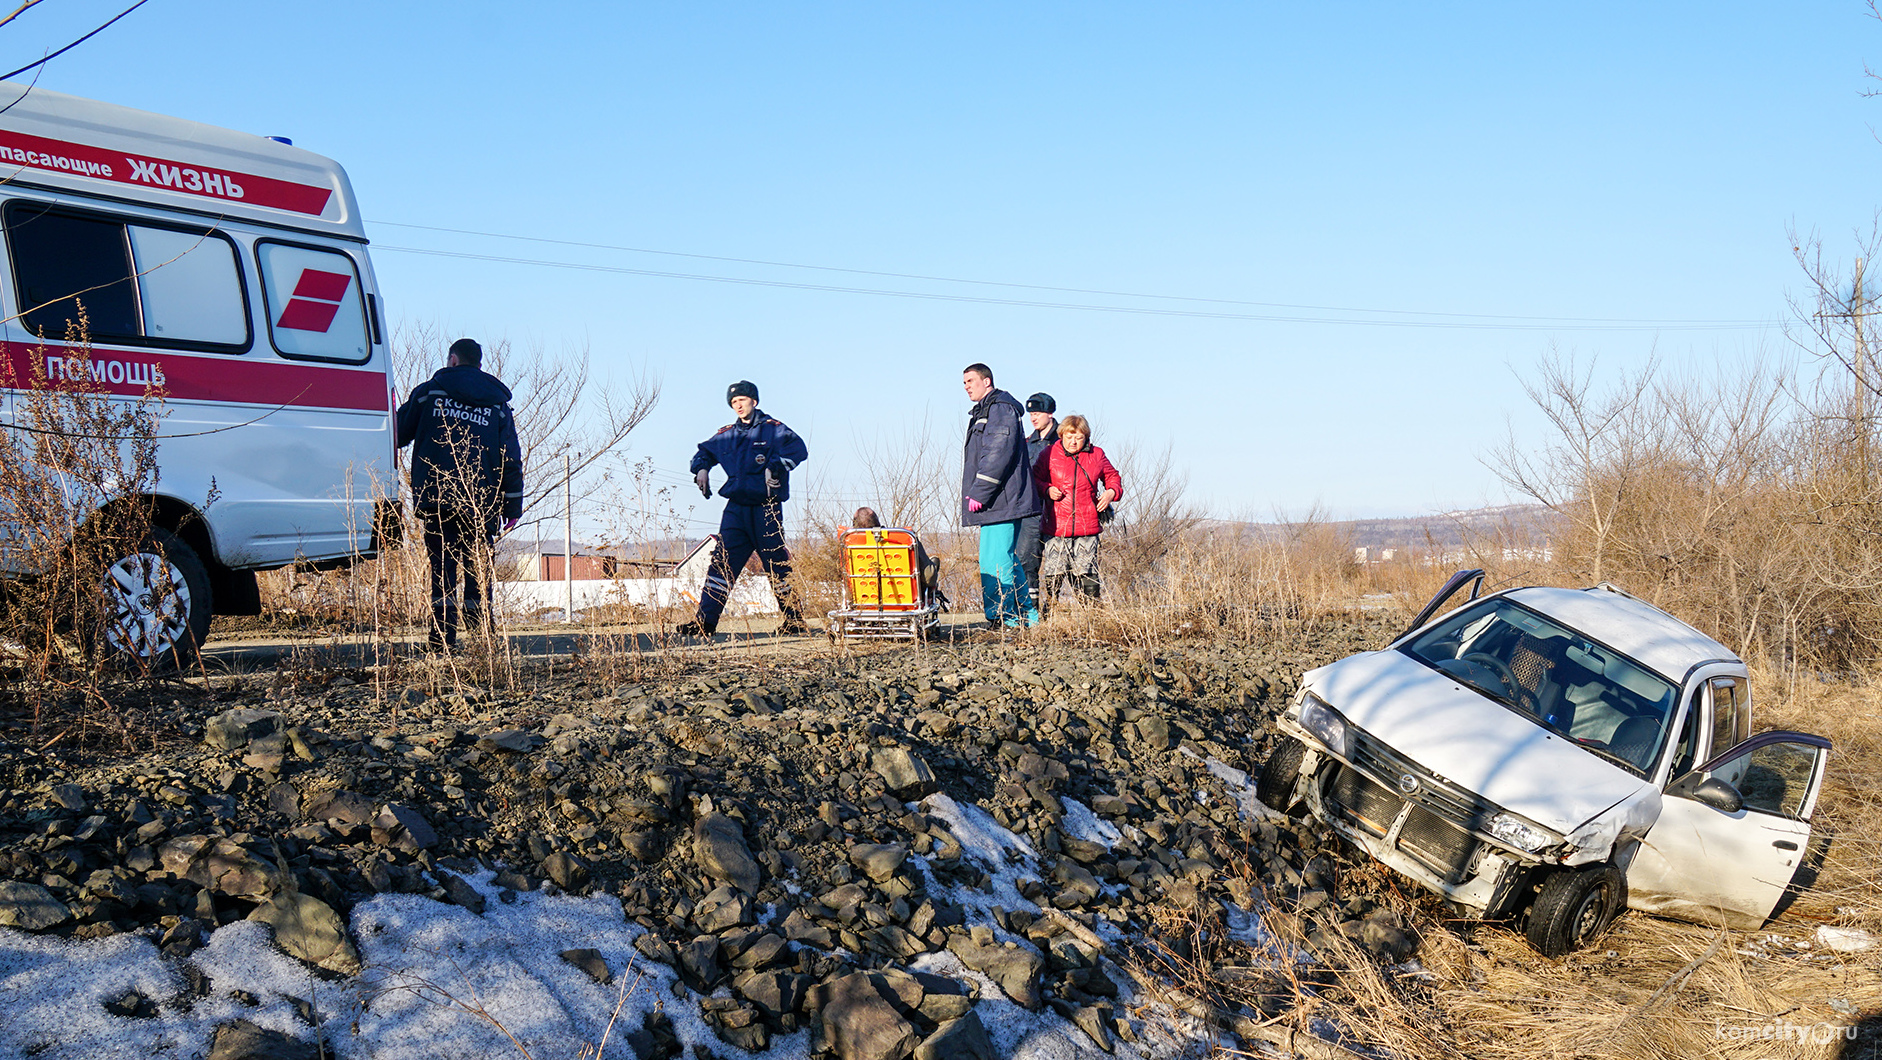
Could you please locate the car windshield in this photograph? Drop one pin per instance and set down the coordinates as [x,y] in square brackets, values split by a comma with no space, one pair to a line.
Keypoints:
[1554,676]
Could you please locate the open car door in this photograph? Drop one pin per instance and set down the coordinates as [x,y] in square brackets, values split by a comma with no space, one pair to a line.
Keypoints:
[1702,863]
[1472,578]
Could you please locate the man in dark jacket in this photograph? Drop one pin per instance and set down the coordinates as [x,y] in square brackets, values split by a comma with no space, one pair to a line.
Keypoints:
[997,492]
[758,454]
[1045,431]
[467,479]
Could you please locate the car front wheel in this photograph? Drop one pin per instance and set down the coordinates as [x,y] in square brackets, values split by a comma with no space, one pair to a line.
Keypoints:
[1280,776]
[1575,907]
[155,612]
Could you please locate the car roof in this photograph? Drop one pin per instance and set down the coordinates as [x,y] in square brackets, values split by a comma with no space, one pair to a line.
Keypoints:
[1629,625]
[39,127]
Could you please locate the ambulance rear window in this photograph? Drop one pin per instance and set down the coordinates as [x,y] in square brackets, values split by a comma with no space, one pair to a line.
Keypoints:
[316,310]
[131,281]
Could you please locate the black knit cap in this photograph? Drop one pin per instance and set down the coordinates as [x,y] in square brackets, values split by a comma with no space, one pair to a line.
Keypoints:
[742,388]
[468,352]
[1042,402]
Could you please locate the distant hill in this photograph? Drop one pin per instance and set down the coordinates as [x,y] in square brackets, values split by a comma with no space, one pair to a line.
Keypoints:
[1526,524]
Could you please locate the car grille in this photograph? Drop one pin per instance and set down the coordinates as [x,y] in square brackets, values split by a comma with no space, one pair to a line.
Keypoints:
[1368,803]
[1442,815]
[1438,843]
[1443,798]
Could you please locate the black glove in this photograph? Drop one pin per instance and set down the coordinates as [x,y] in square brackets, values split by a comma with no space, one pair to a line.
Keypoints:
[771,479]
[704,480]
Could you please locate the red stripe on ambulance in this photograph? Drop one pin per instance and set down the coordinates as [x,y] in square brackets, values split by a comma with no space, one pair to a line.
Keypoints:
[84,160]
[185,378]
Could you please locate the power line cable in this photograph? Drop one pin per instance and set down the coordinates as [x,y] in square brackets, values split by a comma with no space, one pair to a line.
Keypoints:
[1101,292]
[1466,325]
[48,58]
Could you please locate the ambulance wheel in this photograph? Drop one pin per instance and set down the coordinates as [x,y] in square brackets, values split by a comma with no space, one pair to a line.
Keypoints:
[155,613]
[1280,776]
[1574,908]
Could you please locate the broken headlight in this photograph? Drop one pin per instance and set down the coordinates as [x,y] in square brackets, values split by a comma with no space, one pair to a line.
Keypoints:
[1519,833]
[1325,723]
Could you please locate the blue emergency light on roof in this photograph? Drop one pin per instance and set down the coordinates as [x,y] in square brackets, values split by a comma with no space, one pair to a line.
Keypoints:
[280,140]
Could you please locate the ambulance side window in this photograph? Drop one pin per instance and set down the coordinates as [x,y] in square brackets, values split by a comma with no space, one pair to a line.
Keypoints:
[138,283]
[316,310]
[67,267]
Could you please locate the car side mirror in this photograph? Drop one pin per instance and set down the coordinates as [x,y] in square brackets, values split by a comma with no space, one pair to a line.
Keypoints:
[1719,795]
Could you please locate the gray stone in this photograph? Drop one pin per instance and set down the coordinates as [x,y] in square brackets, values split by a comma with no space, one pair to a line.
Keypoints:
[308,928]
[776,994]
[458,891]
[1077,881]
[906,775]
[222,866]
[723,908]
[1155,732]
[69,797]
[860,1023]
[515,741]
[1090,1019]
[592,962]
[233,729]
[569,872]
[241,1040]
[403,828]
[347,807]
[642,845]
[800,928]
[641,811]
[958,1039]
[878,860]
[30,907]
[760,952]
[284,800]
[1016,970]
[1385,939]
[700,963]
[719,848]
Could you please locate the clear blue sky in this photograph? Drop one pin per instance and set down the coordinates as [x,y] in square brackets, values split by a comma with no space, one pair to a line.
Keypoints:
[1567,162]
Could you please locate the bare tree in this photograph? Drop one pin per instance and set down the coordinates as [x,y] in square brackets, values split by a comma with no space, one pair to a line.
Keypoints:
[1598,450]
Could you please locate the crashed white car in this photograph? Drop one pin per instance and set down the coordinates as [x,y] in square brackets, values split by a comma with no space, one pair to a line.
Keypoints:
[1552,756]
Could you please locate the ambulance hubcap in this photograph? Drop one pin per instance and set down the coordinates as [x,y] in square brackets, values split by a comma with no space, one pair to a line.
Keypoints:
[147,605]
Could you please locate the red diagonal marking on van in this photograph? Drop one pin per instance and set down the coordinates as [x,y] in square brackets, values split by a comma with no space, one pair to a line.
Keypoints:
[304,315]
[326,286]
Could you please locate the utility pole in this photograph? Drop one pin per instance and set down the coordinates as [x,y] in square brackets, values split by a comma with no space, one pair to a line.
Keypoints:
[1861,359]
[568,535]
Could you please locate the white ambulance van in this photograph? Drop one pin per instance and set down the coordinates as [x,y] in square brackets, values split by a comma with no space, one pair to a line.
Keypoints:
[229,271]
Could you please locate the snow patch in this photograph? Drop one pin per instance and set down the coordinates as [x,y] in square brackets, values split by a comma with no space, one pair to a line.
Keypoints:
[1081,823]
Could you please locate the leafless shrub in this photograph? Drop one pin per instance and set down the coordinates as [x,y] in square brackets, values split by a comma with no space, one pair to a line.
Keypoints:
[75,463]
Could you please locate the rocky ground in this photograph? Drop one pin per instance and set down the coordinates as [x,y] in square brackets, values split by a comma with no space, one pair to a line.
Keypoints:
[800,830]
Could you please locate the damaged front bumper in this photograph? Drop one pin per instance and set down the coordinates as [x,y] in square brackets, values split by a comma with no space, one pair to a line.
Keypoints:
[1416,823]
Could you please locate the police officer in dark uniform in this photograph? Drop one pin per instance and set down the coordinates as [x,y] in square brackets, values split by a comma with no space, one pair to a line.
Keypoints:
[467,479]
[758,454]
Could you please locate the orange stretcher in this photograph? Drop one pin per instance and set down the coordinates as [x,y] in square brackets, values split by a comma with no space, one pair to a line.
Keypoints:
[883,591]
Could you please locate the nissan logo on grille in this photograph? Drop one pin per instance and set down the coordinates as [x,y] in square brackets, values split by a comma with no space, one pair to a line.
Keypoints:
[1407,784]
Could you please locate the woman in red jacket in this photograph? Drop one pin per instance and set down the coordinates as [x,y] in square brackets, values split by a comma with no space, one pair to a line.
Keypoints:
[1079,484]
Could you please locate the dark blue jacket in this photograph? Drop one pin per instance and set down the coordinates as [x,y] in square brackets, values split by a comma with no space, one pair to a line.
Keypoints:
[746,451]
[994,470]
[465,453]
[1036,443]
